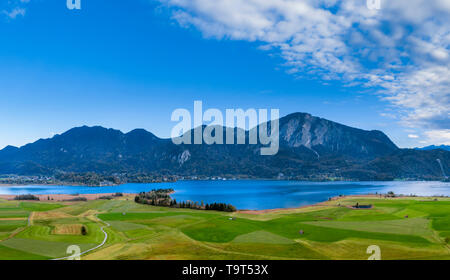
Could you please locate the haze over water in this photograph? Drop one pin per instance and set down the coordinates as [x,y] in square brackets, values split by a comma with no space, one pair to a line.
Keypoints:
[251,194]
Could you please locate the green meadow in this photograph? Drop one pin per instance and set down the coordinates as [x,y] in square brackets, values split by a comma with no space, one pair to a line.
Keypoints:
[403,228]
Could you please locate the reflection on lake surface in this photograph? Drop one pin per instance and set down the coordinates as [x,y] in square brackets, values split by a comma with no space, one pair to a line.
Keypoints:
[251,194]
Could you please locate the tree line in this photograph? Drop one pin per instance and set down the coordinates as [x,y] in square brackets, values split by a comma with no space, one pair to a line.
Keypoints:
[26,197]
[161,197]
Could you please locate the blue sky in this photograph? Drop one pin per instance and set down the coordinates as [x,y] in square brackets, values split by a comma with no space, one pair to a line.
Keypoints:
[129,64]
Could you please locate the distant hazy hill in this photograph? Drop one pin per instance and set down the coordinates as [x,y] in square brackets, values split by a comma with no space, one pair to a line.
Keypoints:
[433,147]
[310,148]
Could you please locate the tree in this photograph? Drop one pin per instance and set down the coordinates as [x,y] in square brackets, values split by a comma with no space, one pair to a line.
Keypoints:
[83,230]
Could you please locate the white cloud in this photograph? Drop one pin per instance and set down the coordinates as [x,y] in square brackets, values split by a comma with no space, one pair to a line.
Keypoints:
[402,50]
[438,137]
[14,13]
[414,136]
[14,8]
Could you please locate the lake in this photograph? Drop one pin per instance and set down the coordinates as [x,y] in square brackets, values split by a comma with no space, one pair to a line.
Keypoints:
[251,194]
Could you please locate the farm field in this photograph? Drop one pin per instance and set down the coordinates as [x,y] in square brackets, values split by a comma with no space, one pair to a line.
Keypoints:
[403,228]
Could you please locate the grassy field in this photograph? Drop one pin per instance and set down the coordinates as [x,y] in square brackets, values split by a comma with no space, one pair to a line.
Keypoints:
[403,228]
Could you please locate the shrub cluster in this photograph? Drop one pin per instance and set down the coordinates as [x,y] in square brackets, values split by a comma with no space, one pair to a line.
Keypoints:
[26,197]
[83,230]
[80,198]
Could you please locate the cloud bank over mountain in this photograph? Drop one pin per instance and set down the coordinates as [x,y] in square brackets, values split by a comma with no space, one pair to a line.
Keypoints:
[401,50]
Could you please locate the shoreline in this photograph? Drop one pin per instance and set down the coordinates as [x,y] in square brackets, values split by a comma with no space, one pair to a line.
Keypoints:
[318,204]
[65,197]
[96,196]
[335,198]
[69,184]
[61,184]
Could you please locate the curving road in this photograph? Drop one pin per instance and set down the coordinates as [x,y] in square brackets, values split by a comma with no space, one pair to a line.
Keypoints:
[92,249]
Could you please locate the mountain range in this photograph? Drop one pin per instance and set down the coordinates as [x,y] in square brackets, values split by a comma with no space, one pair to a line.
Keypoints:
[310,148]
[434,147]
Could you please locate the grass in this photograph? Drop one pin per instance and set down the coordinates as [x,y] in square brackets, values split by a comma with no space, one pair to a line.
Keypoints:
[68,229]
[125,226]
[414,226]
[39,206]
[13,254]
[45,248]
[262,237]
[220,229]
[7,226]
[406,228]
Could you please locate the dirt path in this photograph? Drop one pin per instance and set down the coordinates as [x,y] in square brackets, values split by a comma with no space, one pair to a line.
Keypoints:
[206,246]
[13,219]
[92,249]
[30,219]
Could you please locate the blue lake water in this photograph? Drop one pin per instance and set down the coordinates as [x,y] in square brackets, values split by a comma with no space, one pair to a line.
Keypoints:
[252,194]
